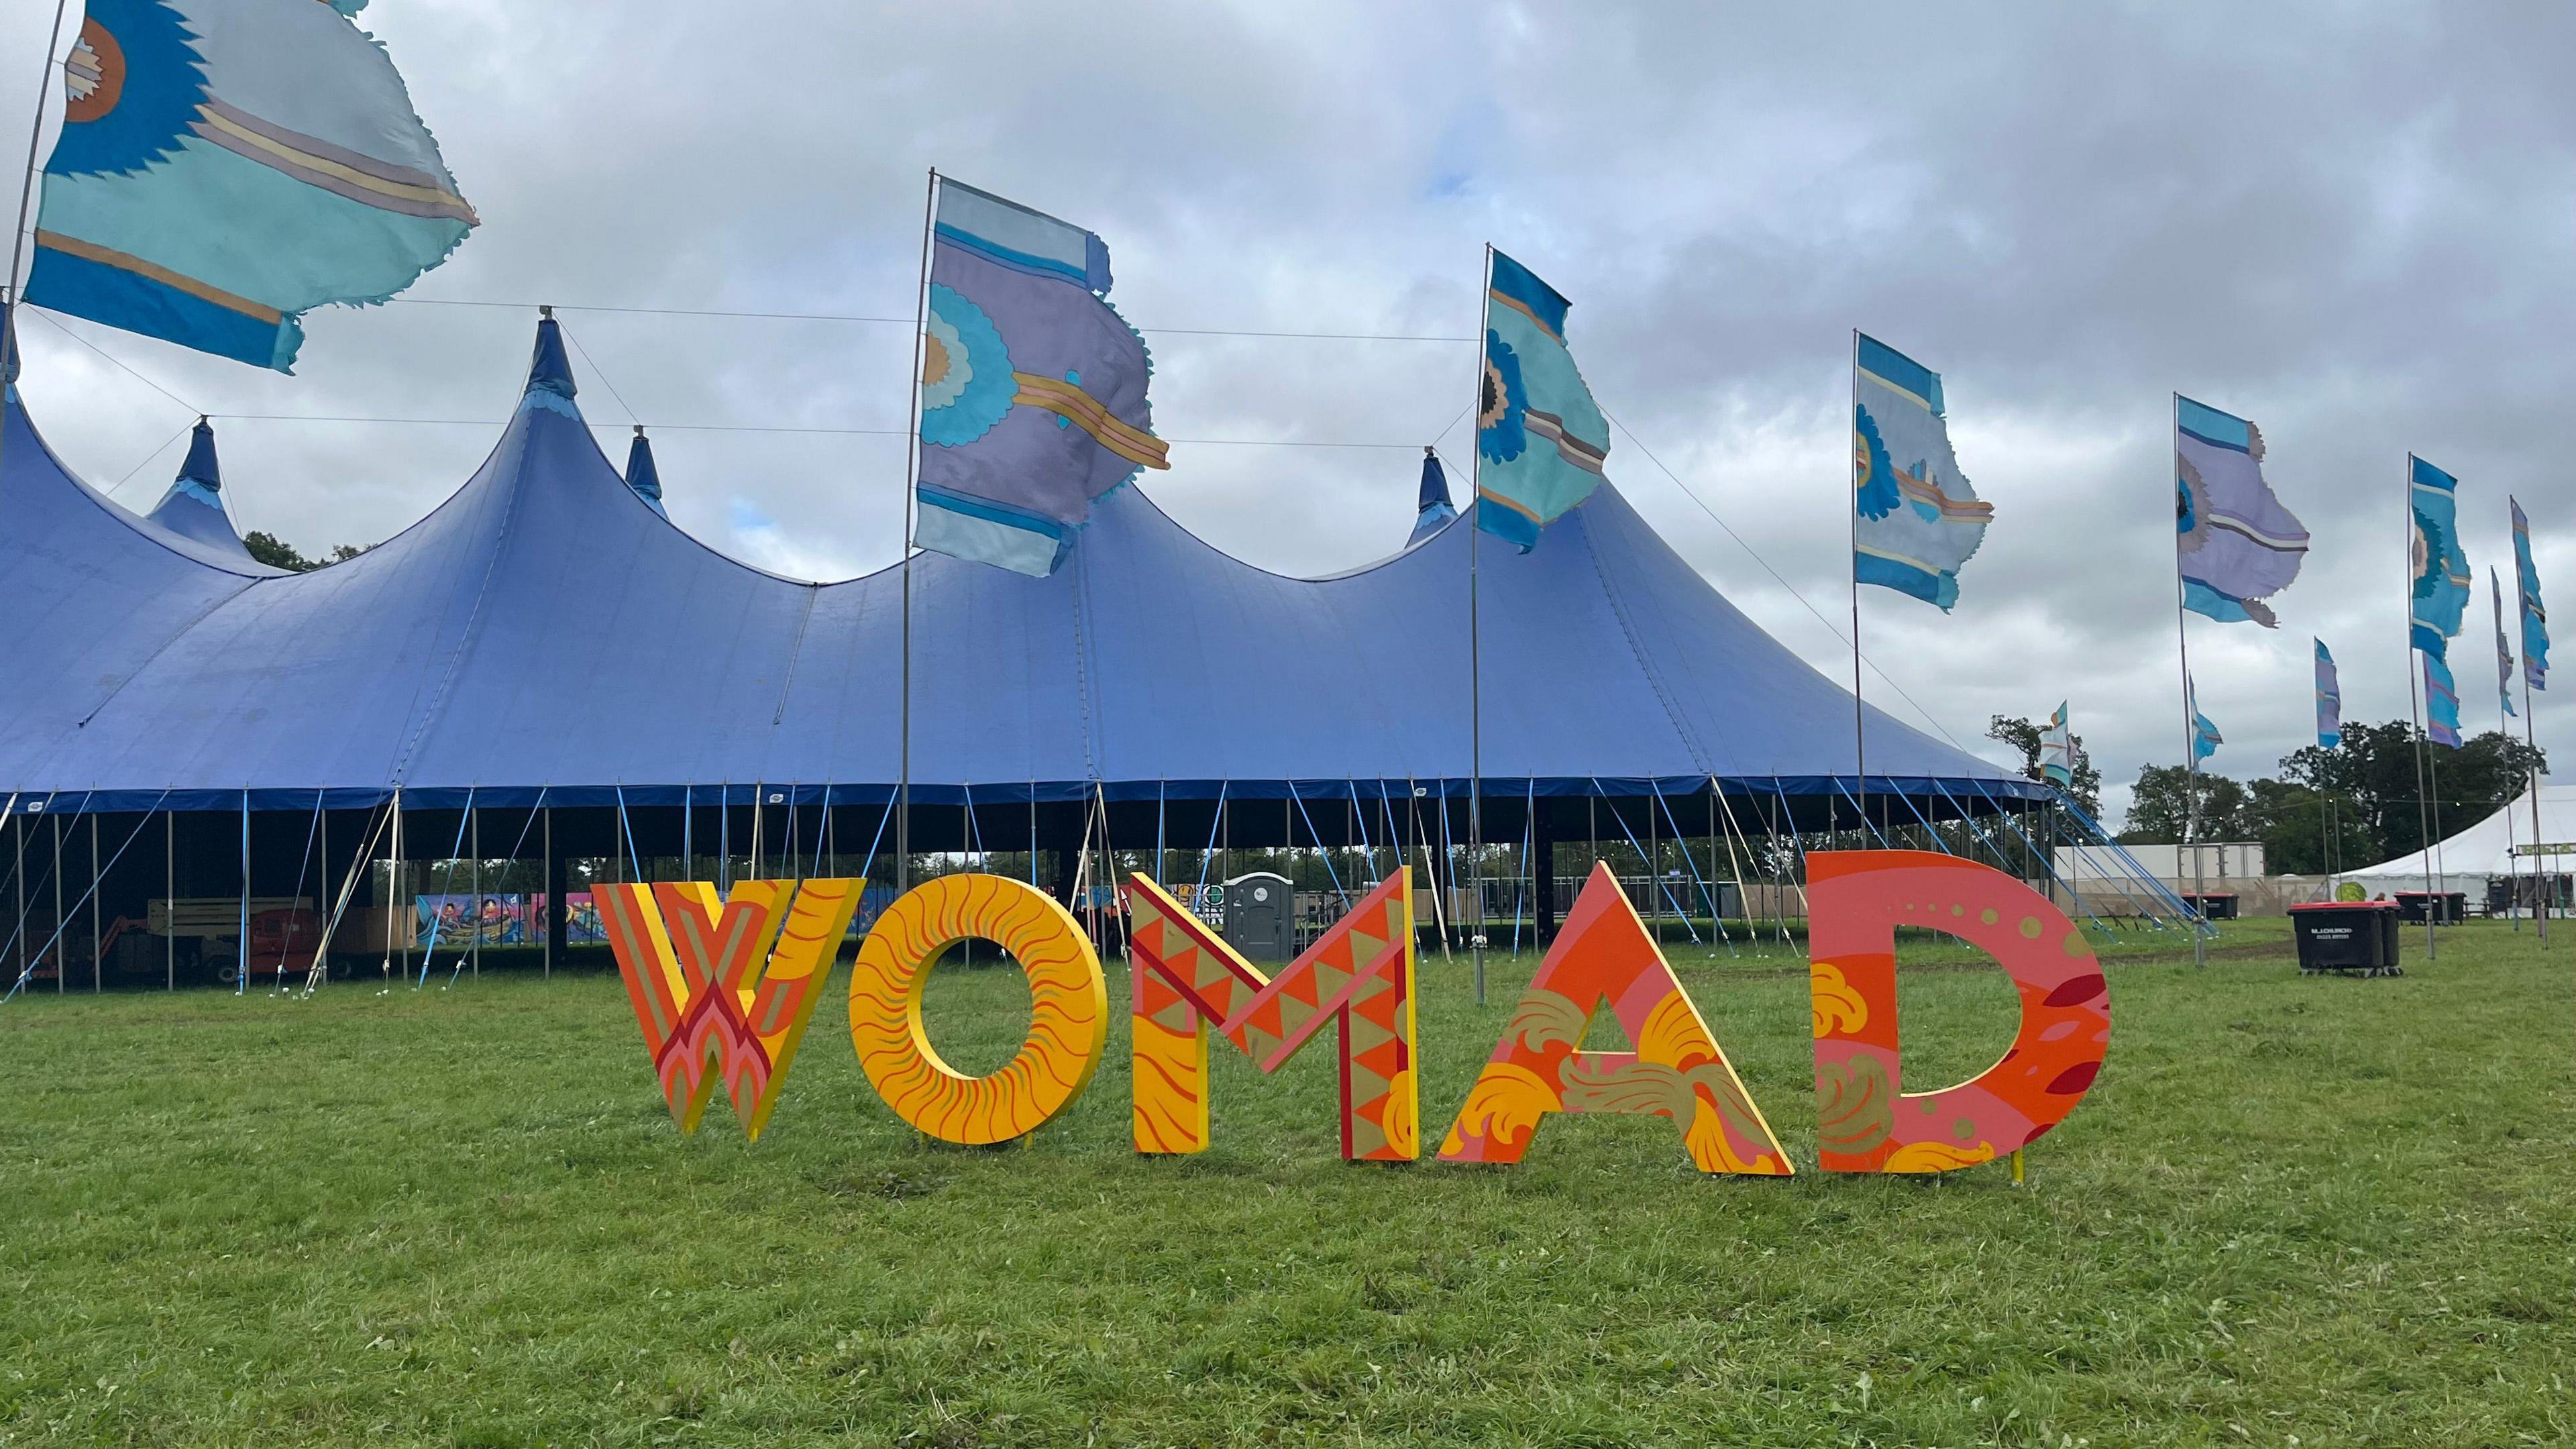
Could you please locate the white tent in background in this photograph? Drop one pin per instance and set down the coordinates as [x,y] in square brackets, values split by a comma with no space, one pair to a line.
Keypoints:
[2464,862]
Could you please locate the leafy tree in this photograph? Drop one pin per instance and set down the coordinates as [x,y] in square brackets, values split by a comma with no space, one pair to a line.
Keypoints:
[277,553]
[2161,807]
[2024,735]
[2372,774]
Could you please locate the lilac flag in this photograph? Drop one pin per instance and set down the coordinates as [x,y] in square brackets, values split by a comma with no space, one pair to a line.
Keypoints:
[2236,544]
[1032,386]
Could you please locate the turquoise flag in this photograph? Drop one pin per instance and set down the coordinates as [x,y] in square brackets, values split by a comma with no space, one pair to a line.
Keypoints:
[1918,521]
[2440,600]
[226,165]
[2535,619]
[2441,702]
[2205,738]
[1540,439]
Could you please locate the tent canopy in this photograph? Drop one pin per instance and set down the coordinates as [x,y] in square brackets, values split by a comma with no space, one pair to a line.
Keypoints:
[2466,861]
[544,635]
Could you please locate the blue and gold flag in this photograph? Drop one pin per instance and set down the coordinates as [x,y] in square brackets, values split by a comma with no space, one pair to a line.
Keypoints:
[2236,544]
[226,165]
[1917,520]
[1032,386]
[2440,599]
[1541,441]
[2535,619]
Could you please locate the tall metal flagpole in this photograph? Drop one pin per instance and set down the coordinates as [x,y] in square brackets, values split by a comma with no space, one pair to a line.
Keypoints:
[2190,724]
[1475,632]
[911,491]
[2415,714]
[1851,504]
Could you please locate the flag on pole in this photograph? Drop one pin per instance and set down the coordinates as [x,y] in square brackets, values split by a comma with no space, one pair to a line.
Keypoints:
[2535,619]
[2504,647]
[2205,738]
[1918,520]
[2441,702]
[1032,386]
[2057,751]
[2441,594]
[1541,441]
[2237,545]
[226,165]
[2329,700]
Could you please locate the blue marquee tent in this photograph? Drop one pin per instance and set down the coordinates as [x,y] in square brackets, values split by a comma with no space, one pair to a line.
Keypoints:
[545,636]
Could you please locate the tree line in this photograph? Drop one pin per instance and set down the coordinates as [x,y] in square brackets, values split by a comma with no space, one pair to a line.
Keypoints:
[2341,808]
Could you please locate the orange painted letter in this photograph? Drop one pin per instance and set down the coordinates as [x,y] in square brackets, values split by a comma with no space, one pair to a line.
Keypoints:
[1866,1121]
[1184,976]
[1677,1070]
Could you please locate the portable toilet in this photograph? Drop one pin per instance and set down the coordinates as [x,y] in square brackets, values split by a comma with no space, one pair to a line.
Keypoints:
[1261,917]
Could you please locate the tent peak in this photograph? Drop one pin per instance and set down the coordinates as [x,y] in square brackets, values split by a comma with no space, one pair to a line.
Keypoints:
[641,475]
[550,383]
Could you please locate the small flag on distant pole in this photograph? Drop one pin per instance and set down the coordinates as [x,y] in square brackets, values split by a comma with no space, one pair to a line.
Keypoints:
[1541,442]
[2057,751]
[2205,738]
[226,165]
[2329,700]
[1918,521]
[2236,545]
[2441,702]
[2535,619]
[2504,647]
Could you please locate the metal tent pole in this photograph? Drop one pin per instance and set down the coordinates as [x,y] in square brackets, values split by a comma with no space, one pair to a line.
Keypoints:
[169,899]
[97,965]
[474,878]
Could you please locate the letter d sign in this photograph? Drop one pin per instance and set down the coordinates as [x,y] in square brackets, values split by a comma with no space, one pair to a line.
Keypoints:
[1865,1121]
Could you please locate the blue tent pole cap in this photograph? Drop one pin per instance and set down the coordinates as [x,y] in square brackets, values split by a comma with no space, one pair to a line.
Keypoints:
[641,475]
[201,465]
[1435,483]
[550,370]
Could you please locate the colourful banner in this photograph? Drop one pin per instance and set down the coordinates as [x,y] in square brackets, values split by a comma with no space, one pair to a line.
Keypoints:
[1033,387]
[1541,441]
[2535,619]
[1917,520]
[227,165]
[2057,751]
[2441,702]
[2440,599]
[2236,544]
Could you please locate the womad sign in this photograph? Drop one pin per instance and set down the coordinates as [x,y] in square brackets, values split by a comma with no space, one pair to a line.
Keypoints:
[724,988]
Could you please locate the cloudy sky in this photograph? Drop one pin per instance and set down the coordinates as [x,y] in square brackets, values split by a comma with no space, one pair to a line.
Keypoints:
[2350,223]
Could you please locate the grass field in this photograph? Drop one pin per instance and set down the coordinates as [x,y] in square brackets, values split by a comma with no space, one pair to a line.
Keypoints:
[2311,1211]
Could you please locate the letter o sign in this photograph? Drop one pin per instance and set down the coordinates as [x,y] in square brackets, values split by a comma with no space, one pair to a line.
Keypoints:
[1068,1009]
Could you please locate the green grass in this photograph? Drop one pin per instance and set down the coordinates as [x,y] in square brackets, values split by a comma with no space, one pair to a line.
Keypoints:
[2340,1211]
